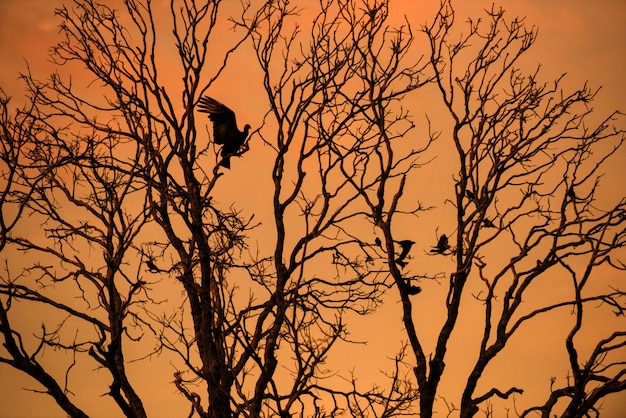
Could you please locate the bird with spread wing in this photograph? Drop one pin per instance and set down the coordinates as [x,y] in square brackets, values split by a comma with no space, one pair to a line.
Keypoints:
[406,245]
[225,131]
[442,245]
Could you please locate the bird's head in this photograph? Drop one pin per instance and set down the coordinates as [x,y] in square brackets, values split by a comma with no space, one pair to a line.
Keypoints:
[246,128]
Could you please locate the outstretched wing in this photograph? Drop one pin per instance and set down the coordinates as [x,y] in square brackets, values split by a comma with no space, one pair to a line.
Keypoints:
[224,122]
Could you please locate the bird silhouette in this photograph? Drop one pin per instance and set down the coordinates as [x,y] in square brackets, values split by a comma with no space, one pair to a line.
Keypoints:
[378,242]
[406,245]
[225,131]
[414,290]
[488,224]
[470,195]
[442,245]
[152,268]
[411,289]
[571,193]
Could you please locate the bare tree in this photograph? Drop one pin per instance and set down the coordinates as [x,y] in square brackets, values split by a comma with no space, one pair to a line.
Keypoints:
[123,180]
[77,188]
[18,131]
[334,102]
[526,175]
[129,189]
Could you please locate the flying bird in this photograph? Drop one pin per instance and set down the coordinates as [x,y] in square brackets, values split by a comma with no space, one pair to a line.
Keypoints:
[442,245]
[225,131]
[406,245]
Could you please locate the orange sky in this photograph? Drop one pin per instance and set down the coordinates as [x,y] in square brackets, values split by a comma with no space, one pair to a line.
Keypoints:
[586,39]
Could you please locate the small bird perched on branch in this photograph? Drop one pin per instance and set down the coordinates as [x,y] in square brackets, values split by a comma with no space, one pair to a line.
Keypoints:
[442,245]
[152,268]
[225,131]
[488,224]
[571,193]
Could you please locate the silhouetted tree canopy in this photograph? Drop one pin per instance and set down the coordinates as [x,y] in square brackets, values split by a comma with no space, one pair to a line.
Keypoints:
[139,279]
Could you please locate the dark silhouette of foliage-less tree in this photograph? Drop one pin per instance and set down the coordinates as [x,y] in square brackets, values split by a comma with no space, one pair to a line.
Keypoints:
[124,180]
[528,158]
[121,226]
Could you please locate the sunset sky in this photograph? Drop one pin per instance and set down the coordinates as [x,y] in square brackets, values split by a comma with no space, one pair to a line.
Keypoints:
[586,39]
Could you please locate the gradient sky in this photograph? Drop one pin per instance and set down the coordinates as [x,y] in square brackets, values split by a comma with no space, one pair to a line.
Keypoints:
[586,39]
